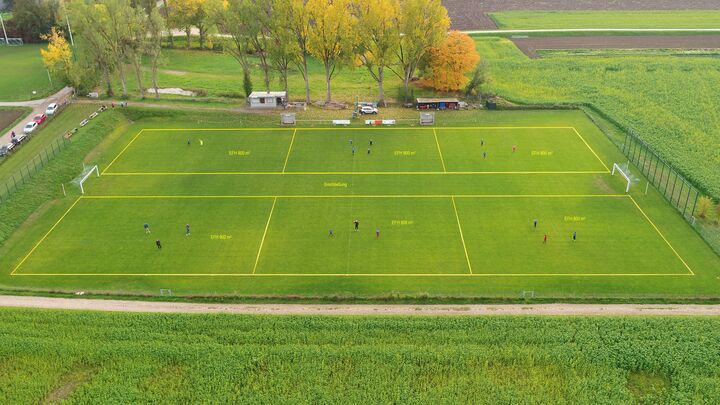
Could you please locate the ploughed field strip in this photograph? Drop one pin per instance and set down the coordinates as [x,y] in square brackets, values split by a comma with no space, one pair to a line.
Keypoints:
[406,202]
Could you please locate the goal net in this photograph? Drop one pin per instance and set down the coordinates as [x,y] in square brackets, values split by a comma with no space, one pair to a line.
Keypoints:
[87,172]
[624,171]
[11,41]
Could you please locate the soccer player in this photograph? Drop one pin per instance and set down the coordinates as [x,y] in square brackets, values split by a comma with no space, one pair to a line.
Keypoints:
[158,244]
[535,223]
[353,151]
[357,225]
[482,142]
[331,234]
[188,141]
[484,155]
[147,228]
[574,236]
[514,148]
[371,142]
[545,239]
[368,151]
[187,229]
[351,142]
[201,142]
[377,233]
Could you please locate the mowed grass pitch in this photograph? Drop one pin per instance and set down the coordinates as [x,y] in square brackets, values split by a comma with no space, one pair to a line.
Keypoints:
[257,227]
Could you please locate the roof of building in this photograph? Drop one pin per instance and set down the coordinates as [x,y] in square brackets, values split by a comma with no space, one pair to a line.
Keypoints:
[268,94]
[437,100]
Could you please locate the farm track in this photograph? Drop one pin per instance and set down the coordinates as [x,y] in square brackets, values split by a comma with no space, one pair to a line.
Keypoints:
[472,14]
[351,310]
[529,46]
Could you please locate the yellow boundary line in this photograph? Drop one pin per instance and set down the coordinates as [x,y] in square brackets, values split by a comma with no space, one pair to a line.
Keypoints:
[364,128]
[462,238]
[262,241]
[45,236]
[112,197]
[13,273]
[337,173]
[292,140]
[442,160]
[591,149]
[661,235]
[123,150]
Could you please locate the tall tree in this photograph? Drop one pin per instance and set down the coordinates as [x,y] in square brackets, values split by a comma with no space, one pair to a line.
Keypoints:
[155,28]
[451,61]
[136,43]
[283,49]
[378,28]
[186,14]
[35,17]
[58,57]
[92,48]
[259,22]
[228,16]
[296,16]
[423,25]
[331,36]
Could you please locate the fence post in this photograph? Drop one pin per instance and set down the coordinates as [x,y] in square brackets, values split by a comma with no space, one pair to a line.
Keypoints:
[695,203]
[681,190]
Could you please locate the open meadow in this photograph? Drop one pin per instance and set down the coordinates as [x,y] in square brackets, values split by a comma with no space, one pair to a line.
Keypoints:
[615,19]
[23,73]
[447,210]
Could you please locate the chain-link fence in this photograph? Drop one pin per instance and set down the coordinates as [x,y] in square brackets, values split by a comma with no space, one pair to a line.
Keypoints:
[11,185]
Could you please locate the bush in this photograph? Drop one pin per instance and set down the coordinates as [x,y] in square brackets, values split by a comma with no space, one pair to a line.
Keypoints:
[704,206]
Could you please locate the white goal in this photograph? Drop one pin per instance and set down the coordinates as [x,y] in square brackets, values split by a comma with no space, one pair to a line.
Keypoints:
[87,172]
[624,171]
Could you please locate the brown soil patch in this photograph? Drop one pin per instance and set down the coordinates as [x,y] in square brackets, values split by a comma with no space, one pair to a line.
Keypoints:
[67,387]
[472,14]
[530,46]
[7,117]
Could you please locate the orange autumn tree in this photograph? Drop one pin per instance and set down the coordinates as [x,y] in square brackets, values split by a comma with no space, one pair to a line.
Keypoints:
[451,61]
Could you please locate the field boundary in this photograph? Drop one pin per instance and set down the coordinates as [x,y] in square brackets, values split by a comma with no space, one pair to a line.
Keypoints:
[254,274]
[292,141]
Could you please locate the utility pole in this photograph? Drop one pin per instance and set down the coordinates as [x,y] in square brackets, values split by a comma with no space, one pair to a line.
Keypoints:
[67,21]
[3,27]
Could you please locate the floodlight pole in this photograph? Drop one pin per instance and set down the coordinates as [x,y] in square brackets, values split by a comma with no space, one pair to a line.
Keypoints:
[3,27]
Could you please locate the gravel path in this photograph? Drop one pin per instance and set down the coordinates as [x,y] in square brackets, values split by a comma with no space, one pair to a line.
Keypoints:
[332,309]
[38,107]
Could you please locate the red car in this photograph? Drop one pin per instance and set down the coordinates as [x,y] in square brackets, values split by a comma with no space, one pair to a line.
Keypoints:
[40,118]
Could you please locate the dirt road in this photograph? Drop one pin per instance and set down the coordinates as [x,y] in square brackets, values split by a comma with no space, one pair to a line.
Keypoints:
[530,45]
[331,309]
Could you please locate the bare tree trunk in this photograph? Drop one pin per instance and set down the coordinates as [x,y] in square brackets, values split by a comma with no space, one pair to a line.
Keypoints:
[138,75]
[307,79]
[167,24]
[154,75]
[121,72]
[327,83]
[381,93]
[187,37]
[201,29]
[106,73]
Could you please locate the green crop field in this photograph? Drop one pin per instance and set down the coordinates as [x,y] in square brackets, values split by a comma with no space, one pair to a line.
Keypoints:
[445,210]
[90,357]
[645,19]
[23,72]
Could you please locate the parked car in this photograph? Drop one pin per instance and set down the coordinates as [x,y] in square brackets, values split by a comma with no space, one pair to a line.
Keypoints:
[40,118]
[18,139]
[51,109]
[30,127]
[5,149]
[368,110]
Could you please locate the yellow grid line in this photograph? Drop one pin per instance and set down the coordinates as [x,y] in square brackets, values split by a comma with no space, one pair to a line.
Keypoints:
[591,149]
[123,150]
[462,238]
[292,140]
[442,160]
[661,235]
[45,236]
[111,197]
[363,128]
[356,275]
[262,242]
[341,173]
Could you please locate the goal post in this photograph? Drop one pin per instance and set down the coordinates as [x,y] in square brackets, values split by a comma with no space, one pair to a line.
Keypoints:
[87,172]
[625,173]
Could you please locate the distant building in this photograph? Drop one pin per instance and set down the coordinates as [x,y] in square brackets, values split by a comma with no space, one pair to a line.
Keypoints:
[267,99]
[438,104]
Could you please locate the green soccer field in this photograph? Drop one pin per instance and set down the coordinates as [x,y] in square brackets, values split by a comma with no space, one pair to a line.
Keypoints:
[446,210]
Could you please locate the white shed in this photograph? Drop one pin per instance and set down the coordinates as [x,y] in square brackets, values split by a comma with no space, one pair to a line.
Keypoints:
[267,99]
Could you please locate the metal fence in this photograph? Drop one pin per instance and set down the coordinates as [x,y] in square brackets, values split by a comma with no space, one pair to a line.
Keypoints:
[674,187]
[11,185]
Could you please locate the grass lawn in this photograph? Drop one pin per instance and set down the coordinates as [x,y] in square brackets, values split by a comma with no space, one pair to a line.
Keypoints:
[23,73]
[454,207]
[92,357]
[607,19]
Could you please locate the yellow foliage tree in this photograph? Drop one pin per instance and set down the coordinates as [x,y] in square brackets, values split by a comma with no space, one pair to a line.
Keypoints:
[58,56]
[451,61]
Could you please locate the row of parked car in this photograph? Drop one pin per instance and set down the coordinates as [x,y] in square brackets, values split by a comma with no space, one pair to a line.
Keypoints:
[18,139]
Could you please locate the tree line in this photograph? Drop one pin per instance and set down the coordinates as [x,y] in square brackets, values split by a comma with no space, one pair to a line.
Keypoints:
[386,37]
